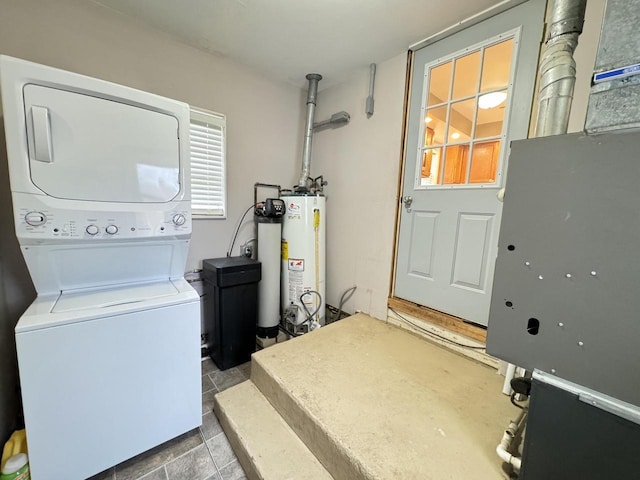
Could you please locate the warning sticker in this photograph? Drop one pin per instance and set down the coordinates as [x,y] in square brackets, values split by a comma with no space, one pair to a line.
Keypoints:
[285,250]
[294,211]
[296,265]
[296,286]
[293,208]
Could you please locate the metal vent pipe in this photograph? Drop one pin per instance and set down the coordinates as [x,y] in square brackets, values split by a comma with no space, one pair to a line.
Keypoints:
[313,78]
[558,67]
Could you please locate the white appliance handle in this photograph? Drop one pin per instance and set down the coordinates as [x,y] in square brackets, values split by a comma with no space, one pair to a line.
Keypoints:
[41,134]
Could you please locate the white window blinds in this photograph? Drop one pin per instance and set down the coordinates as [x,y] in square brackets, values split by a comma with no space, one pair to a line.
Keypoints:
[208,164]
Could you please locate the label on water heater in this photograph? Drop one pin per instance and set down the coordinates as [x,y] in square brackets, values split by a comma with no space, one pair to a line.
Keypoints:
[296,285]
[296,265]
[294,211]
[285,250]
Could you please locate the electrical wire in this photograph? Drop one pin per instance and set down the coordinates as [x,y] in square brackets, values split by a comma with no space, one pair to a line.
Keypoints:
[233,241]
[435,335]
[514,402]
[343,300]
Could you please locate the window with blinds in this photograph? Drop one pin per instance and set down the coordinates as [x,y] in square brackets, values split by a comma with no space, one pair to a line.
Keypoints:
[208,164]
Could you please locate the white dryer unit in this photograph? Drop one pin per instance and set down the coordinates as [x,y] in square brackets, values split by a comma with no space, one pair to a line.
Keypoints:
[108,353]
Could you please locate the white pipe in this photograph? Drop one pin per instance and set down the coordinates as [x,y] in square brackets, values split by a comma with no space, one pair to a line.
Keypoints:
[509,374]
[515,426]
[506,457]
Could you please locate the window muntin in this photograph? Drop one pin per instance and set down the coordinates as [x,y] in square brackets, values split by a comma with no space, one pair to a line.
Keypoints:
[466,96]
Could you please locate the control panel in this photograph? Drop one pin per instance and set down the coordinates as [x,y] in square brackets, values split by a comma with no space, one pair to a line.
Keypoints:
[271,208]
[47,223]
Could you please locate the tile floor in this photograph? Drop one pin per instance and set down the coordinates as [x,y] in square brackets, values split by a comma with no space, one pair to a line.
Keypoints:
[201,454]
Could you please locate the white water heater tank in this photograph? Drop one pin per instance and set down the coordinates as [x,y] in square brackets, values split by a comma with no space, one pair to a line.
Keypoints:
[304,255]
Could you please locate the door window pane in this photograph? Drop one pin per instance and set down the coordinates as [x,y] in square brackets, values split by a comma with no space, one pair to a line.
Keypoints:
[484,162]
[439,84]
[496,66]
[435,122]
[461,121]
[489,120]
[465,82]
[455,165]
[430,174]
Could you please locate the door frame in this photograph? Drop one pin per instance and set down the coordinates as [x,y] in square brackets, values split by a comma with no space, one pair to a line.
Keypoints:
[450,322]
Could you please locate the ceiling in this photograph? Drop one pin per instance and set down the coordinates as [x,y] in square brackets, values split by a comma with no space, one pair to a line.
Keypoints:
[286,39]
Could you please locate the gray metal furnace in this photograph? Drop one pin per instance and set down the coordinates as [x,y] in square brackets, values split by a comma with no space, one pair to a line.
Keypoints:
[566,300]
[566,295]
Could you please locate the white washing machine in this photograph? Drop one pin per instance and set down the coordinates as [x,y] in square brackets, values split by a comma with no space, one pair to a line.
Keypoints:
[109,352]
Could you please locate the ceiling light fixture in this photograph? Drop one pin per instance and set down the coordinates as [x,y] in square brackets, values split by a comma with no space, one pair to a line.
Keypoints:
[491,100]
[455,135]
[428,120]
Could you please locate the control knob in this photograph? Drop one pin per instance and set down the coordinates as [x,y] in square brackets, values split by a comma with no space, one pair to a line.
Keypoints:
[178,219]
[111,229]
[35,219]
[92,229]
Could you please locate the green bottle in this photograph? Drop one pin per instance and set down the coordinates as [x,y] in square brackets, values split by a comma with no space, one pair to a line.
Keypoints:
[16,468]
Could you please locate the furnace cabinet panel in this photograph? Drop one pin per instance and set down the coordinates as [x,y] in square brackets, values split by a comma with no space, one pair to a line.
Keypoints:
[568,439]
[566,294]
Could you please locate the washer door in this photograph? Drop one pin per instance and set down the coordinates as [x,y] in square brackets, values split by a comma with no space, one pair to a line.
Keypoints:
[87,148]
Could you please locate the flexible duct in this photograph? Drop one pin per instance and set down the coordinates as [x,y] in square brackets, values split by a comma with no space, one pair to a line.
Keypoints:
[313,78]
[558,67]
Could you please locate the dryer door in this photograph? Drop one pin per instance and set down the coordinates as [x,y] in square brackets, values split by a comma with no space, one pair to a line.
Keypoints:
[88,148]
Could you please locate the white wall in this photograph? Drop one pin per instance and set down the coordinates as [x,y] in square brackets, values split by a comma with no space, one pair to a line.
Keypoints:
[361,161]
[265,121]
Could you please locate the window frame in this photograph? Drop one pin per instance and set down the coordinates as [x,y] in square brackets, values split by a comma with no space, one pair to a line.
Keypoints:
[513,34]
[208,118]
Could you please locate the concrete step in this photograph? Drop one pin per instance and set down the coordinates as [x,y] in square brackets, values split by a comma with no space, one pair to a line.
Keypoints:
[373,401]
[265,446]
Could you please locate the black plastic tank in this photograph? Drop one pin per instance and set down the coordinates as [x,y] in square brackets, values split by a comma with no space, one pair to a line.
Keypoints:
[231,308]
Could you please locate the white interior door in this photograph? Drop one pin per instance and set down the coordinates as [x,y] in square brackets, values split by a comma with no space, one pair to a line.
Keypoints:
[470,96]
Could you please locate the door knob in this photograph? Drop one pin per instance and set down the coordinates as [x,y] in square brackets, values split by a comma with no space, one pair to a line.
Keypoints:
[407,200]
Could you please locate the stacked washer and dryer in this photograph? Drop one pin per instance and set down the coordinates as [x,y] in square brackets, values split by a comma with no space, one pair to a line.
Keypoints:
[109,352]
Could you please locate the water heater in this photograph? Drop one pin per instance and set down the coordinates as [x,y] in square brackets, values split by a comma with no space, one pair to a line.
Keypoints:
[304,261]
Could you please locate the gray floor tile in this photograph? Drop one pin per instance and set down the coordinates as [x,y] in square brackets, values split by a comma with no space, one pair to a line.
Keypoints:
[196,464]
[207,401]
[221,450]
[210,426]
[228,378]
[233,471]
[208,366]
[158,456]
[108,474]
[159,474]
[207,384]
[214,477]
[245,369]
